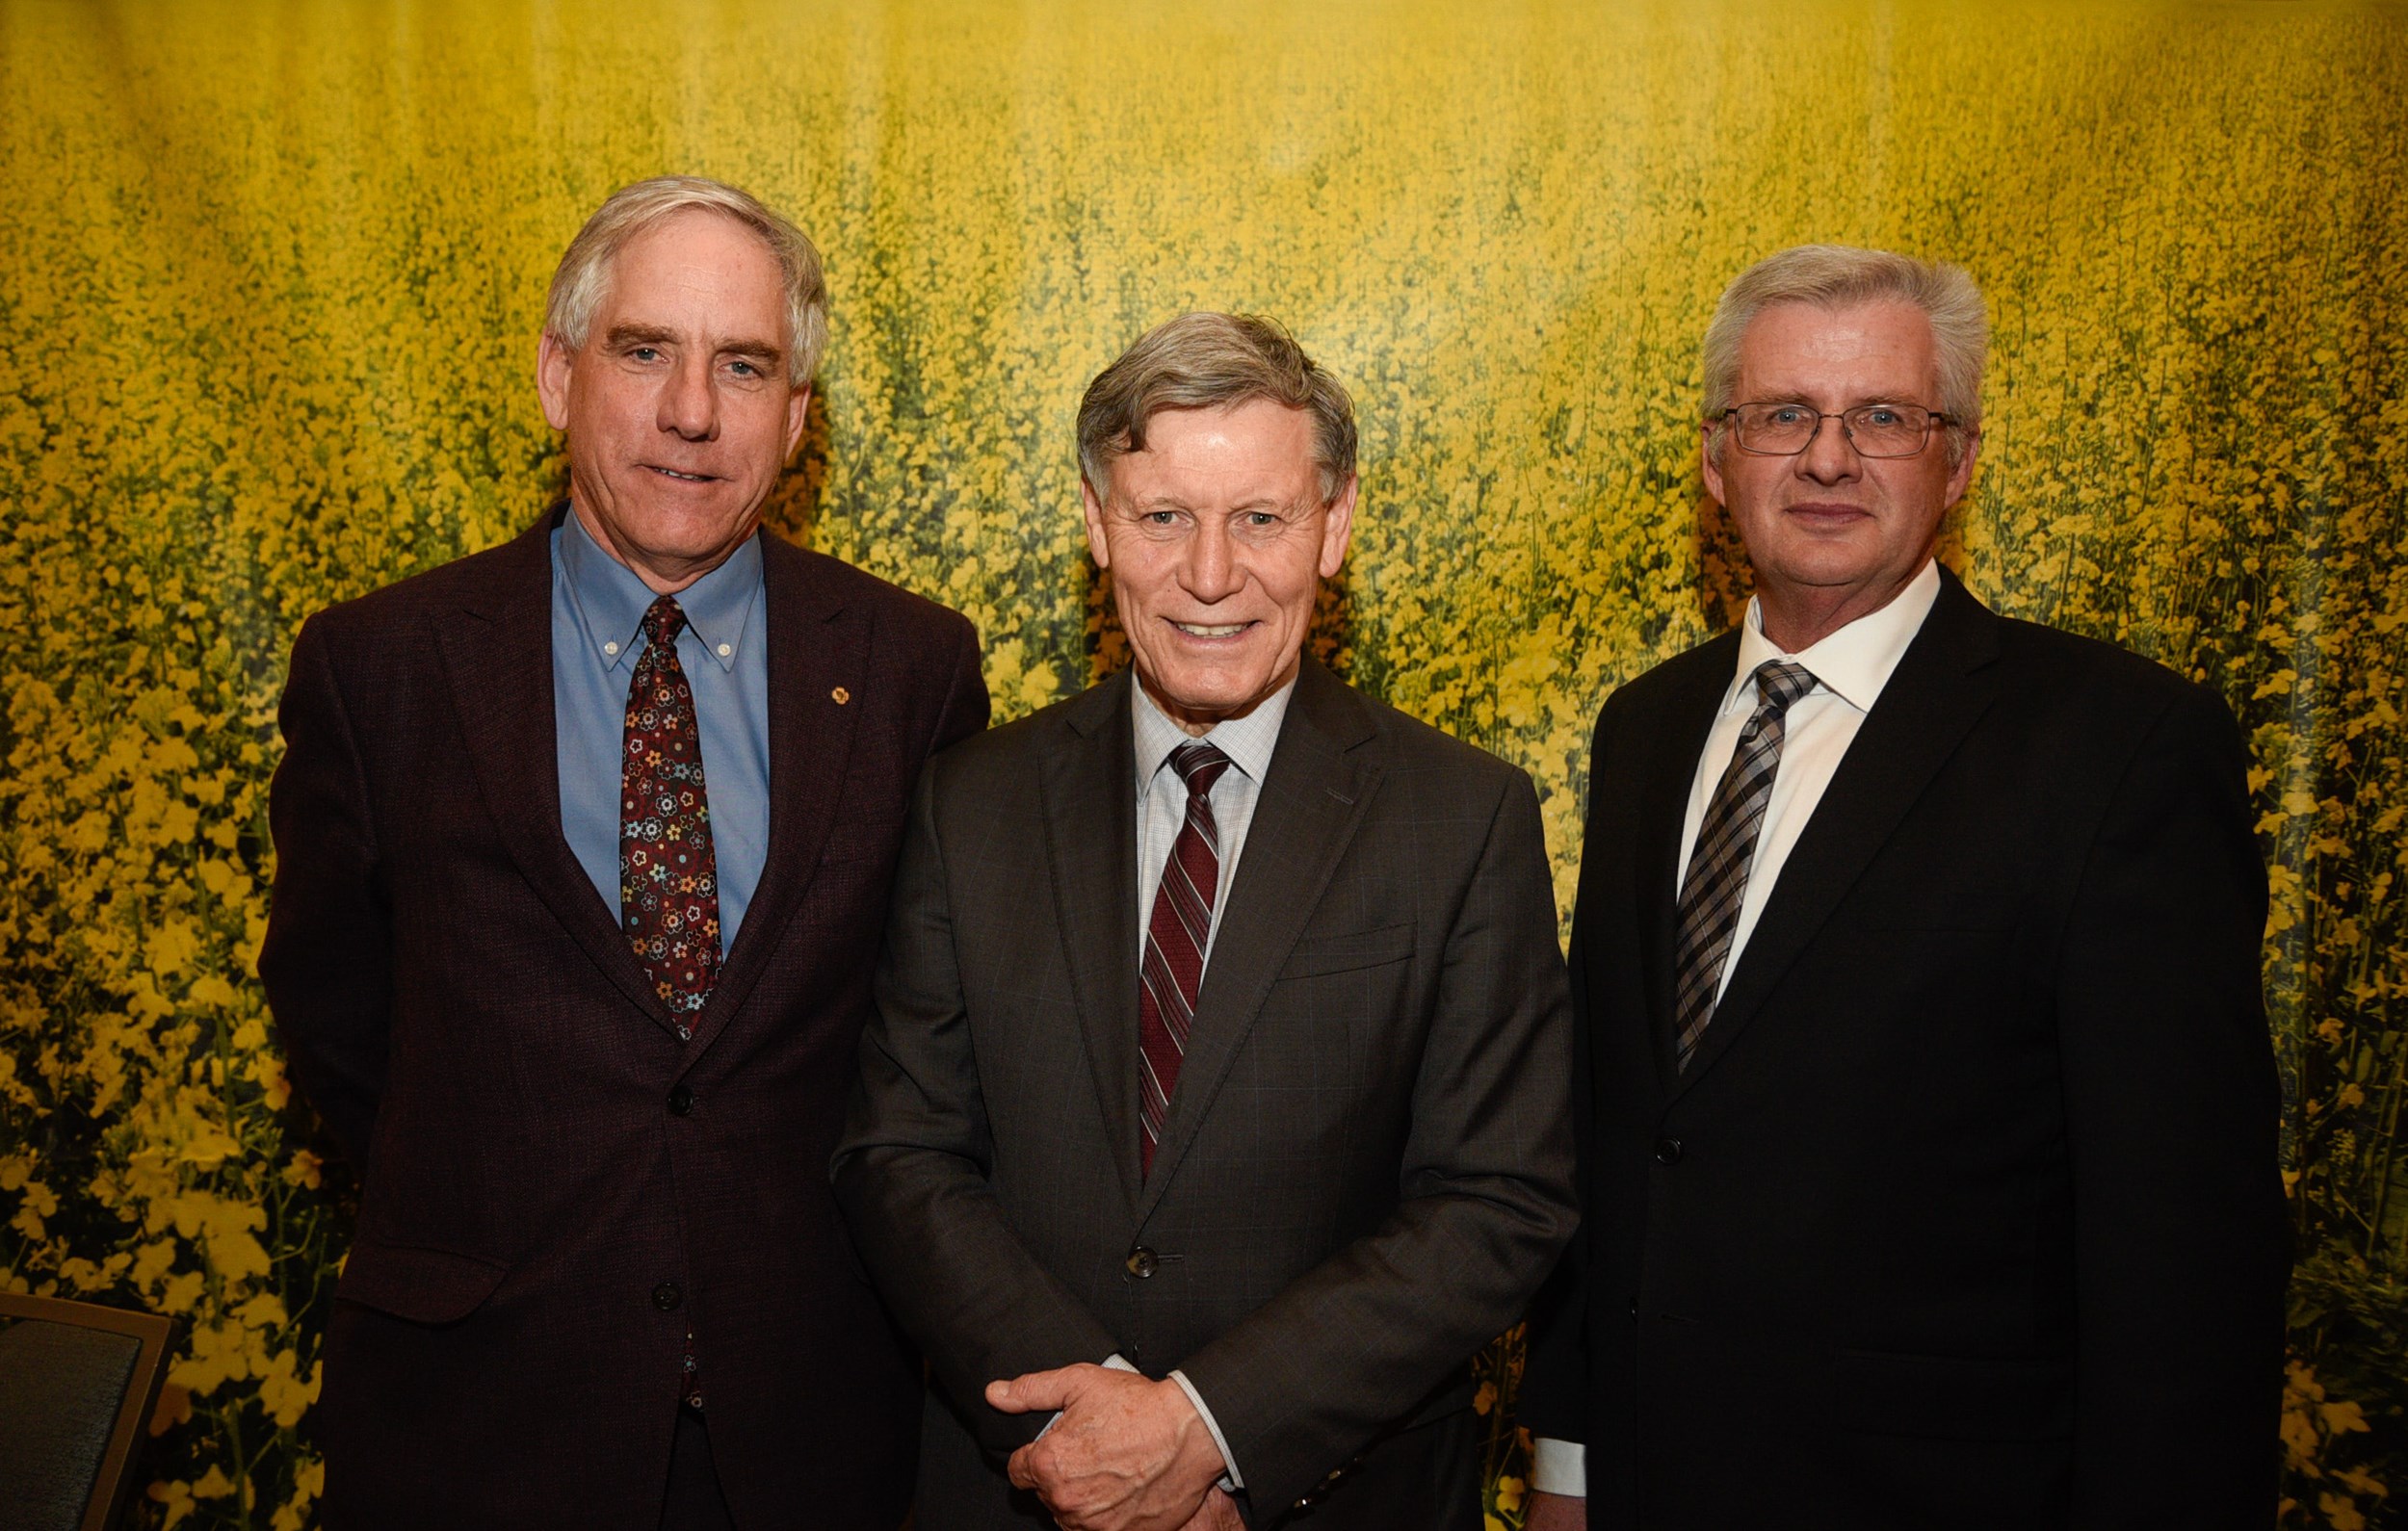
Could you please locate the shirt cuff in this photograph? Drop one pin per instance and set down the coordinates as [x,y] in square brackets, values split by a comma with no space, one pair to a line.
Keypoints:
[1559,1467]
[1230,1482]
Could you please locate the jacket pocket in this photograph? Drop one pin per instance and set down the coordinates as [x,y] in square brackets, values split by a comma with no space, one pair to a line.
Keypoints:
[424,1285]
[1360,948]
[1954,1398]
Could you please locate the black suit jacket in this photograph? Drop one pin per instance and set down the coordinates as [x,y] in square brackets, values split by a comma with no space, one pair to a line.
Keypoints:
[1966,1212]
[1366,1169]
[554,1185]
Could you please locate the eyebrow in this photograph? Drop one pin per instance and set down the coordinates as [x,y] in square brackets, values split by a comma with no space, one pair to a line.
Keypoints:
[1167,502]
[639,335]
[622,336]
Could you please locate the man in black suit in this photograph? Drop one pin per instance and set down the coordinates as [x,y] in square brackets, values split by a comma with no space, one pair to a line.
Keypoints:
[1927,1109]
[582,847]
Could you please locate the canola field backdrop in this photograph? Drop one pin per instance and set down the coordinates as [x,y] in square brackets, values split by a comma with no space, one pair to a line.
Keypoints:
[270,284]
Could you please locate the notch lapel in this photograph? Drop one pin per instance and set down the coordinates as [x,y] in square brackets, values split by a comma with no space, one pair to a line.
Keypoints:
[1311,802]
[816,648]
[498,658]
[1087,781]
[1941,688]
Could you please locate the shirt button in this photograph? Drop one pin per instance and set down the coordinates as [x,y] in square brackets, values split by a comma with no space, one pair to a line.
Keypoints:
[609,648]
[680,1101]
[1140,1262]
[1667,1151]
[665,1297]
[725,649]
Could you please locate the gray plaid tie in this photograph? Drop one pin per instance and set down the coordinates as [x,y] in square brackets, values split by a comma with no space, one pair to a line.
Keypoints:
[1726,844]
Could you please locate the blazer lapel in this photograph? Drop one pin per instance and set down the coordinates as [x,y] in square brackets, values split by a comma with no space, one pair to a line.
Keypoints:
[1663,789]
[818,649]
[1941,688]
[1305,818]
[498,658]
[1088,779]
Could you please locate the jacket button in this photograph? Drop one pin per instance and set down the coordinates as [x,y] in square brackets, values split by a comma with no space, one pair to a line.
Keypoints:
[665,1297]
[1140,1262]
[1667,1151]
[680,1101]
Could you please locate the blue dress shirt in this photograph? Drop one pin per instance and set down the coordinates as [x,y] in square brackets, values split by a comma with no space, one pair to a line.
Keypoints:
[597,618]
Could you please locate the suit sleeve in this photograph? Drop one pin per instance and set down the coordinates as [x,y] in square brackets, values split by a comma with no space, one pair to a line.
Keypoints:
[1554,1399]
[966,706]
[1486,1177]
[326,962]
[911,1173]
[2181,1243]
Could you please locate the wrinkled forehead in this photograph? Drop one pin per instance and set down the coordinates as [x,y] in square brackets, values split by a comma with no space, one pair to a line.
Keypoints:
[1256,449]
[1851,352]
[700,261]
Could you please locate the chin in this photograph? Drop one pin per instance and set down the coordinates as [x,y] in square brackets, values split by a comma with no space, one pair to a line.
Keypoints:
[1201,694]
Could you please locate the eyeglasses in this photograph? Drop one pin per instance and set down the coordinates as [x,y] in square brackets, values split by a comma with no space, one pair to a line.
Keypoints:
[1874,430]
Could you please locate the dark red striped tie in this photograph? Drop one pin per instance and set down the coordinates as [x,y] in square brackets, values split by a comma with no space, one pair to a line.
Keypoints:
[1172,969]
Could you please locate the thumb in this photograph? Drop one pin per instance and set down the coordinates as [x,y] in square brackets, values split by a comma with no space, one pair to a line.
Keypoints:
[1034,1390]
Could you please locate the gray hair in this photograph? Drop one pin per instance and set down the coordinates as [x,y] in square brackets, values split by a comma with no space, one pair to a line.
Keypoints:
[586,266]
[1837,276]
[1204,361]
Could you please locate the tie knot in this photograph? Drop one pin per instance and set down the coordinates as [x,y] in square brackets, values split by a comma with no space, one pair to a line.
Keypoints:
[663,621]
[1779,682]
[1200,765]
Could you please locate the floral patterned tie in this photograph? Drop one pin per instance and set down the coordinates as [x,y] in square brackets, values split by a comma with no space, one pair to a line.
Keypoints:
[668,891]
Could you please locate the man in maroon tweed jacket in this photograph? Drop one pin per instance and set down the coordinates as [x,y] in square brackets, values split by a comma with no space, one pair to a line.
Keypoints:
[599,1279]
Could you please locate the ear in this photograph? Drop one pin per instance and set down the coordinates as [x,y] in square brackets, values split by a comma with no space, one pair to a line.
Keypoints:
[797,411]
[1961,477]
[1338,526]
[1097,547]
[552,367]
[1706,463]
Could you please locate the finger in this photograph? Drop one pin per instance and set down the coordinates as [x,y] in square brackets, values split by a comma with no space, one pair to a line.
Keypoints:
[1023,1476]
[1035,1391]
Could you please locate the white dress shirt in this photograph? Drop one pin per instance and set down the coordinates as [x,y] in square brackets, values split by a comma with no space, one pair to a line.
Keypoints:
[1161,810]
[1850,668]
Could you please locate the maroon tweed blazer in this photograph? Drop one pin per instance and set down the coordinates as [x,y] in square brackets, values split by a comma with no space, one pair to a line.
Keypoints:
[554,1185]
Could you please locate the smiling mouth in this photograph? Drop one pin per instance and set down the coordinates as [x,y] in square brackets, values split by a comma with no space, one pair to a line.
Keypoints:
[1211,629]
[681,477]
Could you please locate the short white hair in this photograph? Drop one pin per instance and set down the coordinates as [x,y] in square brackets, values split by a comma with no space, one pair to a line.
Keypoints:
[586,266]
[1837,276]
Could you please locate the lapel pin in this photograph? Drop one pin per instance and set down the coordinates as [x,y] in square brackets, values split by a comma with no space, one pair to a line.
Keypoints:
[841,696]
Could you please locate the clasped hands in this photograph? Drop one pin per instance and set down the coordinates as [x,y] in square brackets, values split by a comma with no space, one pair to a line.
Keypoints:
[1128,1453]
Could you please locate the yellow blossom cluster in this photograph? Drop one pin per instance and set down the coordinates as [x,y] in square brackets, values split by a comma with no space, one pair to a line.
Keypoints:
[270,284]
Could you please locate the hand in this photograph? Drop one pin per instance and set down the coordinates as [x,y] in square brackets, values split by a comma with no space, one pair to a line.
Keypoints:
[1554,1512]
[1126,1454]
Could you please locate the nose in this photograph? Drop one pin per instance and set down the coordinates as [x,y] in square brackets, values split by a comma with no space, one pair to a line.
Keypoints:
[690,405]
[1829,457]
[1211,571]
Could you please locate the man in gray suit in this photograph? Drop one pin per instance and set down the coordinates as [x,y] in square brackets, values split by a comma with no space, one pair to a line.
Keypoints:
[1213,1113]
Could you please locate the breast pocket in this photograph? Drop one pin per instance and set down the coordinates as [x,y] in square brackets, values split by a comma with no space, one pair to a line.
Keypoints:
[1316,956]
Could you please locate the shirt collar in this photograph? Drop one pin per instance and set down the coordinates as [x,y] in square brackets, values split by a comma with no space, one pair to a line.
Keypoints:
[1249,742]
[610,601]
[1853,663]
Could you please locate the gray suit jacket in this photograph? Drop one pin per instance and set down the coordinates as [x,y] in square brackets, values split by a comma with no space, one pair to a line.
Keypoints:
[1367,1165]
